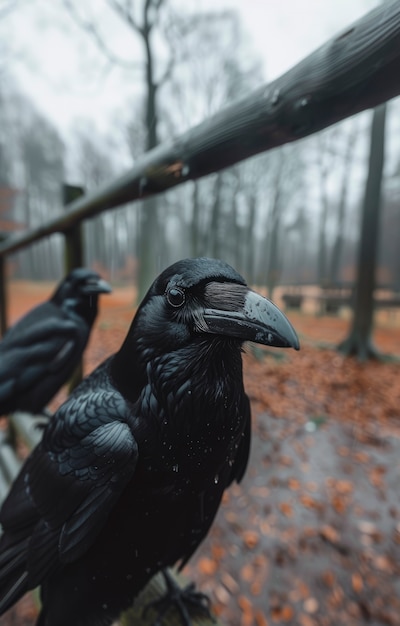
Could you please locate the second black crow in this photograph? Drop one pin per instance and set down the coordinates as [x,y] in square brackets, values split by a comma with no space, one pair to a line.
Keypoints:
[40,352]
[132,468]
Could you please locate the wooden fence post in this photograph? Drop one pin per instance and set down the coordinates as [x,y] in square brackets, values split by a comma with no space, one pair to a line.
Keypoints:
[74,257]
[73,236]
[3,292]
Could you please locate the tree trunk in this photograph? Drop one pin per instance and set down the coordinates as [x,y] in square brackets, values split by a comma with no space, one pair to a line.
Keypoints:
[150,235]
[195,226]
[249,252]
[339,237]
[322,244]
[359,342]
[338,243]
[215,222]
[148,246]
[274,265]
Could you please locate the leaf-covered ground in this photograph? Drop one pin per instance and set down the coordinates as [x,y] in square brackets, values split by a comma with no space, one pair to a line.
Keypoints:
[312,535]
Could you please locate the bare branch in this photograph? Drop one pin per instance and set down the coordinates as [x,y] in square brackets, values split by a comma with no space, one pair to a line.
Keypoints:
[125,12]
[7,8]
[90,28]
[11,6]
[171,40]
[168,70]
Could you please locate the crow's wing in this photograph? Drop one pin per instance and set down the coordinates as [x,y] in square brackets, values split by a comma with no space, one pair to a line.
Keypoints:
[29,355]
[69,484]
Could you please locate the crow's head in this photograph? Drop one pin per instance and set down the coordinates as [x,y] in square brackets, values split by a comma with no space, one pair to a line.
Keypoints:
[79,291]
[201,299]
[80,282]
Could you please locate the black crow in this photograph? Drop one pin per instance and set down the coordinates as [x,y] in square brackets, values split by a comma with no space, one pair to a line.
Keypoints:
[40,352]
[132,467]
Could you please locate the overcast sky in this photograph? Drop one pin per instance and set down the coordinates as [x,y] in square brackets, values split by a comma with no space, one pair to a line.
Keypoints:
[48,53]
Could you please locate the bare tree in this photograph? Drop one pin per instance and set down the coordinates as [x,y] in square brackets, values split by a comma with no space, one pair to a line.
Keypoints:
[280,183]
[337,248]
[196,233]
[142,22]
[93,167]
[325,160]
[212,69]
[359,342]
[248,248]
[42,172]
[274,232]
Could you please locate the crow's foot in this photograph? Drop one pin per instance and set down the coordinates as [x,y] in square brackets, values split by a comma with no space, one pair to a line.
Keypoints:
[42,419]
[182,599]
[41,423]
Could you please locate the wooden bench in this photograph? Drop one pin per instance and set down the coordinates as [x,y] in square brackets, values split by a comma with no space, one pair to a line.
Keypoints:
[292,301]
[388,303]
[331,301]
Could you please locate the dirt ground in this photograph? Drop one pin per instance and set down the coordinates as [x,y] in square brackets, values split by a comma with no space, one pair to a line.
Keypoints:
[312,535]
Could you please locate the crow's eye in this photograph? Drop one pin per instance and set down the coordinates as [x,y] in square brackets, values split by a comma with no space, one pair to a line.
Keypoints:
[175,296]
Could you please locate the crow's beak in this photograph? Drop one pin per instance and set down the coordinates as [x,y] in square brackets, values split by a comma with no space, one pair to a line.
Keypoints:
[237,311]
[95,286]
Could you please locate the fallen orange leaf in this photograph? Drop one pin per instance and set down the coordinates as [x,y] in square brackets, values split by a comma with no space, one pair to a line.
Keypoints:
[286,508]
[283,613]
[251,539]
[207,566]
[357,582]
